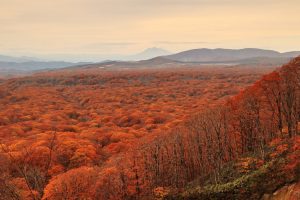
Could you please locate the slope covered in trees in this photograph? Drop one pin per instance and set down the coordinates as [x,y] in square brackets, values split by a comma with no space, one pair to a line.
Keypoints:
[137,134]
[251,177]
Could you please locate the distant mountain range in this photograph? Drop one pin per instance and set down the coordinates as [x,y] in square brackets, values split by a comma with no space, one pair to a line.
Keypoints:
[228,55]
[155,57]
[12,65]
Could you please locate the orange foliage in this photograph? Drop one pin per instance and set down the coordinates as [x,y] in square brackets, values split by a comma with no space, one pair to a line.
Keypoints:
[75,184]
[106,126]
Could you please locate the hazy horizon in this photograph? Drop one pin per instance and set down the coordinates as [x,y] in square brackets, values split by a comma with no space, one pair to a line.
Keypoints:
[66,28]
[104,57]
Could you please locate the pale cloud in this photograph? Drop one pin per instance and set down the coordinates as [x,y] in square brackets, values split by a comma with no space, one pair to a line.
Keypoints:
[111,44]
[128,26]
[180,43]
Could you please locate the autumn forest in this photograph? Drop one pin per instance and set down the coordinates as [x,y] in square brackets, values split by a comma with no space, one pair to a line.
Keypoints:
[162,133]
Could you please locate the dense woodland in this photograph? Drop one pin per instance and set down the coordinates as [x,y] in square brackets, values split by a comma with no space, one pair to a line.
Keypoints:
[138,134]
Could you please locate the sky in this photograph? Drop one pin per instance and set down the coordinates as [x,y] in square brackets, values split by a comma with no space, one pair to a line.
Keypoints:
[111,27]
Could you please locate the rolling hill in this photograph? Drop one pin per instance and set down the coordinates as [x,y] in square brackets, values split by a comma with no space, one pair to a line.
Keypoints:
[228,55]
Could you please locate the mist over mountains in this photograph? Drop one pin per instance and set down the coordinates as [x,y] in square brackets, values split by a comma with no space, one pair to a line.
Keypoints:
[148,54]
[151,56]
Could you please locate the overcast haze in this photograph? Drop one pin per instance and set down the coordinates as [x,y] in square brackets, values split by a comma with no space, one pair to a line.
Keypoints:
[30,27]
